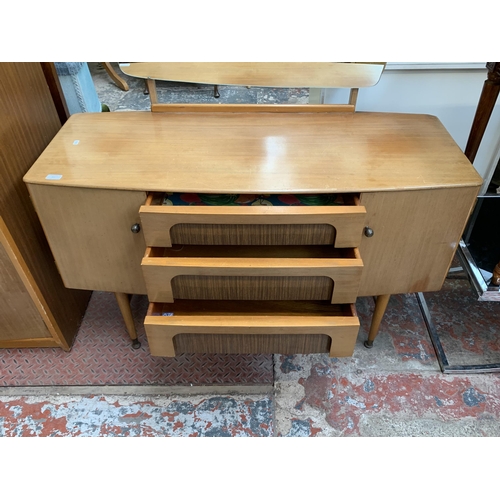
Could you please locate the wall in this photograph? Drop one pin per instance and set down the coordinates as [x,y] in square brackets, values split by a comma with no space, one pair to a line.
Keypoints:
[448,91]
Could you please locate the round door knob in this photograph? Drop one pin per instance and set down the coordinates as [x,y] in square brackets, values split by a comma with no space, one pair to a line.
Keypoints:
[135,228]
[369,232]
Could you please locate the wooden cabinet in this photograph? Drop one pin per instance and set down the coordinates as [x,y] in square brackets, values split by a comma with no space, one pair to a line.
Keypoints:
[257,278]
[36,310]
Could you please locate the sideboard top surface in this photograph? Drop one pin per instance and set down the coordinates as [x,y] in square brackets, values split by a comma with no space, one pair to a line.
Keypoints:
[253,153]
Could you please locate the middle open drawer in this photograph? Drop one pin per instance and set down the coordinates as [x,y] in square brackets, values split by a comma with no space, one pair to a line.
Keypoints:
[252,273]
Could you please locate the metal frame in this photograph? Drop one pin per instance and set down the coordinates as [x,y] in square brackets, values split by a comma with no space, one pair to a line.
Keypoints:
[484,291]
[479,285]
[440,354]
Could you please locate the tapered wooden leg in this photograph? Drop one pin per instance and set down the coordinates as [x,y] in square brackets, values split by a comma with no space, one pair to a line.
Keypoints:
[378,314]
[123,300]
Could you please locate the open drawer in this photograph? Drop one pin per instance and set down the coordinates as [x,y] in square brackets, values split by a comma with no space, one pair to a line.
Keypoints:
[339,223]
[252,273]
[249,327]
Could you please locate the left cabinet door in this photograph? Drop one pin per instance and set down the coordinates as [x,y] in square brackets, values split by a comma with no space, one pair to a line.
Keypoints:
[90,234]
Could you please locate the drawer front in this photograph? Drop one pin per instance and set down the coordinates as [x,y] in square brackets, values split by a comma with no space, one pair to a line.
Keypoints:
[252,287]
[165,225]
[235,329]
[252,278]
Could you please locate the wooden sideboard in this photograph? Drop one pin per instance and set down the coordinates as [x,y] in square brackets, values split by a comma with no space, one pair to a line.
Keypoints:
[411,190]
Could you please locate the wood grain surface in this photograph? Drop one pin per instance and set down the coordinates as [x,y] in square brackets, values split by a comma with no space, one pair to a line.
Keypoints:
[261,74]
[254,153]
[28,122]
[245,225]
[251,326]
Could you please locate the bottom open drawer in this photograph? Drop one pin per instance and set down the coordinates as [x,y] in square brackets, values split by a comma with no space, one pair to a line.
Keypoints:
[251,327]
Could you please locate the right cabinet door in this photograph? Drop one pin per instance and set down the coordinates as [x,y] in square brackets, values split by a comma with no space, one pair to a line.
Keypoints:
[415,235]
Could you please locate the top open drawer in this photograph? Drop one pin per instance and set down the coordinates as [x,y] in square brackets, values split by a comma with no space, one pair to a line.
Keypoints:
[252,220]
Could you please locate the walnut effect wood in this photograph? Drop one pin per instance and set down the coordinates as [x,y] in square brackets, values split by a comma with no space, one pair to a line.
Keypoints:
[159,271]
[252,234]
[348,222]
[90,235]
[252,287]
[250,344]
[248,319]
[28,122]
[254,153]
[257,74]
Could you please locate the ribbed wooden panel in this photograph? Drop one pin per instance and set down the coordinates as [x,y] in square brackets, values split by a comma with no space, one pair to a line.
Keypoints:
[253,234]
[253,287]
[250,344]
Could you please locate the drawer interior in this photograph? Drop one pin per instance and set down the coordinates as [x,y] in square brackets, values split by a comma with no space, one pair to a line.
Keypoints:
[209,199]
[253,251]
[190,308]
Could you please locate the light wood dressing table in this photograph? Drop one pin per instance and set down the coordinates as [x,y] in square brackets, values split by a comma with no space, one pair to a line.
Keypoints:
[256,278]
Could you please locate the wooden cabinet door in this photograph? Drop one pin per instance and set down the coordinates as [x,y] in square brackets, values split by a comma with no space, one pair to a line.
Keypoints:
[415,237]
[89,232]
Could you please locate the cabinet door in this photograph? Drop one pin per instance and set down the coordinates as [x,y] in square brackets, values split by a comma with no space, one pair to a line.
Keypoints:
[415,237]
[89,232]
